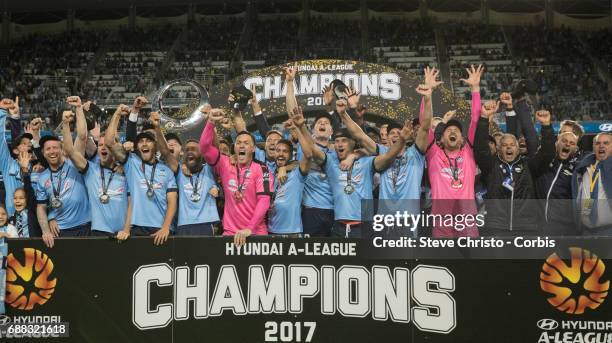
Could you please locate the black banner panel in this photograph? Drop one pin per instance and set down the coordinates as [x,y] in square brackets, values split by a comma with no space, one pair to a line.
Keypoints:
[282,290]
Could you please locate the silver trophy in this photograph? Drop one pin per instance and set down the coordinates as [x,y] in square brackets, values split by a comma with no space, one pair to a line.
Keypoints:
[180,114]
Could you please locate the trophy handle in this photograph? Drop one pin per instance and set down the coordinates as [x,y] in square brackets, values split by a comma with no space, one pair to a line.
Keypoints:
[180,124]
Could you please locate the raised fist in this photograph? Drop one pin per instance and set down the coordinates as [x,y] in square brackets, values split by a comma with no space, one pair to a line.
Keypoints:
[67,116]
[139,103]
[155,119]
[122,110]
[543,117]
[506,99]
[74,101]
[216,115]
[489,108]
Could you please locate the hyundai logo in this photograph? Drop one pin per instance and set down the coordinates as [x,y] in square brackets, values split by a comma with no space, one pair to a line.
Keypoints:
[4,319]
[548,324]
[605,127]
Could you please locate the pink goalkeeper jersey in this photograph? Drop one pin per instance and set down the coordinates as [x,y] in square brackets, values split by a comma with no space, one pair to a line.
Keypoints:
[248,212]
[452,176]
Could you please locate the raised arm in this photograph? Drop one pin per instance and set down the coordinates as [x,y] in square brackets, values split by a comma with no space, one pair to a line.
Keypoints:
[5,154]
[306,146]
[355,130]
[209,151]
[538,163]
[524,117]
[77,158]
[111,134]
[425,121]
[290,100]
[382,162]
[162,144]
[258,115]
[430,80]
[482,153]
[81,124]
[308,143]
[473,80]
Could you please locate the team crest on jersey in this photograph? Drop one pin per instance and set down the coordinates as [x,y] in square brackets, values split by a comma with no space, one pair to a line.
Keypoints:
[66,185]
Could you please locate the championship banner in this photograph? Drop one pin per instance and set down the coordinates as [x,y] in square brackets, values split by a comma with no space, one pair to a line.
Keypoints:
[282,290]
[388,93]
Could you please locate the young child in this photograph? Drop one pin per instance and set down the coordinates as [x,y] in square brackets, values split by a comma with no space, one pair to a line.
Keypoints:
[6,229]
[20,220]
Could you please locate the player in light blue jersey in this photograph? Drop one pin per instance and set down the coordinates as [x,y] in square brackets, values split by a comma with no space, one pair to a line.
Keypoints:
[197,212]
[62,187]
[286,210]
[151,183]
[400,184]
[318,203]
[355,184]
[106,183]
[318,200]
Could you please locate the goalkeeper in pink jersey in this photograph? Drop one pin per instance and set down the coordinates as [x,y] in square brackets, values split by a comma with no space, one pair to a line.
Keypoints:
[451,164]
[247,184]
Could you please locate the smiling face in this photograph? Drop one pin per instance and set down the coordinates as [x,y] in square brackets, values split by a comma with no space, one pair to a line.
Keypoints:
[393,136]
[19,200]
[344,146]
[244,148]
[283,154]
[323,128]
[602,146]
[509,148]
[53,153]
[271,141]
[452,138]
[147,149]
[566,145]
[193,156]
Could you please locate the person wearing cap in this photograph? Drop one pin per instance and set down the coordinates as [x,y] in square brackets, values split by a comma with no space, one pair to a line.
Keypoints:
[451,165]
[62,188]
[400,184]
[509,177]
[351,186]
[247,184]
[9,167]
[151,183]
[106,185]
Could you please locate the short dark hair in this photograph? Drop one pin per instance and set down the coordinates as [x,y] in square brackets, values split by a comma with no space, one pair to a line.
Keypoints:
[288,144]
[246,133]
[49,138]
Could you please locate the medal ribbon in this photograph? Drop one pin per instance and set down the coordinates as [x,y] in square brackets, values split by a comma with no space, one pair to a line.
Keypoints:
[56,191]
[149,183]
[105,186]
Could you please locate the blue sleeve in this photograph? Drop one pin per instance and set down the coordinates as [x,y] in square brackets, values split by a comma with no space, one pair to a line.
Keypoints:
[41,192]
[171,181]
[5,154]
